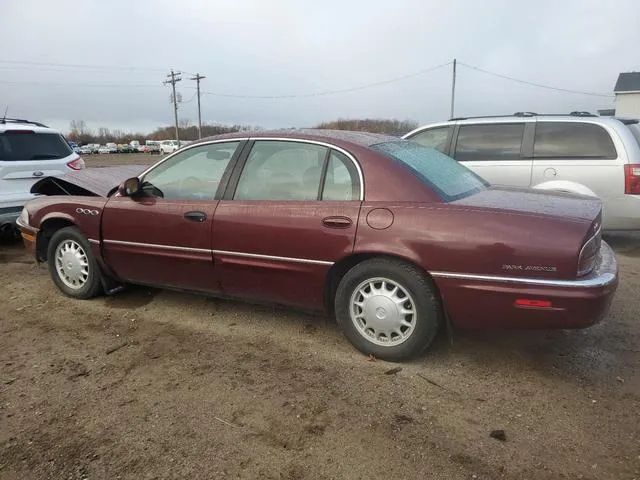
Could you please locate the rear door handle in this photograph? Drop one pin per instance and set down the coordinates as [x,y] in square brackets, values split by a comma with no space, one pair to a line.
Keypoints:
[337,222]
[195,216]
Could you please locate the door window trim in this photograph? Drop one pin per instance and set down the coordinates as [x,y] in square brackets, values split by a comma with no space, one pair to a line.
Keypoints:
[242,143]
[234,178]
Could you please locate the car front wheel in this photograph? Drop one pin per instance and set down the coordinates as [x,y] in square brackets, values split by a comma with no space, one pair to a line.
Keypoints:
[388,308]
[72,264]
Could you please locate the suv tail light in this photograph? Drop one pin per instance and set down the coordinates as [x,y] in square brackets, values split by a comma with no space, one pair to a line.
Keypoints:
[632,179]
[77,164]
[589,253]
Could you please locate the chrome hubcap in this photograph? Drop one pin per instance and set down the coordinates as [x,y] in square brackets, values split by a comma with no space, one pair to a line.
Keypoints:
[383,311]
[72,264]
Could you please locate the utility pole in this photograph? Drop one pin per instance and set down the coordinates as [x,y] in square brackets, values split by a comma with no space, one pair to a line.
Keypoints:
[197,78]
[174,78]
[453,89]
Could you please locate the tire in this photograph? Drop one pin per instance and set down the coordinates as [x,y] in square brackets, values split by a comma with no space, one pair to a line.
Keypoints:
[81,259]
[366,322]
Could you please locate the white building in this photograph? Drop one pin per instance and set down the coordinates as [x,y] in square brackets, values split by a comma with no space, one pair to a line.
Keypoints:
[627,92]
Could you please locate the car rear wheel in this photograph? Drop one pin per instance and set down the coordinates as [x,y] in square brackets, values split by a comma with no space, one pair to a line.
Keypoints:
[388,308]
[72,264]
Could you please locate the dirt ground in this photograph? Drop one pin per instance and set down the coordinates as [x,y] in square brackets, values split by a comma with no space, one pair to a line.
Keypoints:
[202,388]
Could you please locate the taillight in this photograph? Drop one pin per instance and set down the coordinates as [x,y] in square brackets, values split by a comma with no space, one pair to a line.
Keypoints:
[589,254]
[77,164]
[632,179]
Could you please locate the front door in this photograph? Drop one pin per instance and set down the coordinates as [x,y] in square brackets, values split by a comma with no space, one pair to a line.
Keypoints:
[290,212]
[162,236]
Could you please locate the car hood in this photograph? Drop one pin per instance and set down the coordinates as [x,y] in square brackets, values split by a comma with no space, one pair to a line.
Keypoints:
[535,202]
[100,181]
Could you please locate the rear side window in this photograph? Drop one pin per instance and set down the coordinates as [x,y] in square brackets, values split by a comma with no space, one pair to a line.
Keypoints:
[341,181]
[437,138]
[20,145]
[489,142]
[572,140]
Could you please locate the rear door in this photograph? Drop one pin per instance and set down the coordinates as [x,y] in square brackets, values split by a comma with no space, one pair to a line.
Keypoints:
[25,157]
[290,212]
[494,151]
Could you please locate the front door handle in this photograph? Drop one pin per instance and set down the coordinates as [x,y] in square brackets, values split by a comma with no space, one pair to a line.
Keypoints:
[337,222]
[195,216]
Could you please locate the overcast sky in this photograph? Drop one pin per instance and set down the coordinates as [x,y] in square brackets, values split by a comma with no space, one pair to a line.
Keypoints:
[297,47]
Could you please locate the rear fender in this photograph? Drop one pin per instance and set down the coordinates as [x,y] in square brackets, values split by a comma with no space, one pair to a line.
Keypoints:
[565,186]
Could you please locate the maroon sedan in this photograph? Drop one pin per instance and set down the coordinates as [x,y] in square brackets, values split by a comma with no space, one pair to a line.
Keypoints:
[392,237]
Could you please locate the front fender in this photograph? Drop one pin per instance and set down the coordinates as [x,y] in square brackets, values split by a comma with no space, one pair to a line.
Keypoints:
[565,186]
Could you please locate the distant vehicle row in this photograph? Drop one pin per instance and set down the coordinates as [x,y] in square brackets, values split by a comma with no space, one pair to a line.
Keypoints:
[150,146]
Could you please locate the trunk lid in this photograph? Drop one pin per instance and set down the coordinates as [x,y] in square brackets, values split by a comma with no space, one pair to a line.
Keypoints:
[536,202]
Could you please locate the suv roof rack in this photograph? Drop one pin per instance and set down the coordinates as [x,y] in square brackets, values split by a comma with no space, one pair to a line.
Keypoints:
[575,113]
[5,120]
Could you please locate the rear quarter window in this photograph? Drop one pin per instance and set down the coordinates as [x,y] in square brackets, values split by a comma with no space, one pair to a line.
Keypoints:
[572,140]
[23,145]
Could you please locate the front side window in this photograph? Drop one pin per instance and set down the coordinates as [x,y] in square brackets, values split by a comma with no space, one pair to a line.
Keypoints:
[433,138]
[20,145]
[450,180]
[280,170]
[193,174]
[489,142]
[572,140]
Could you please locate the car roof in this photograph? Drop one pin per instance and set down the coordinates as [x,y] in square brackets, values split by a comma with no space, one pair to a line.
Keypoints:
[612,122]
[15,124]
[338,137]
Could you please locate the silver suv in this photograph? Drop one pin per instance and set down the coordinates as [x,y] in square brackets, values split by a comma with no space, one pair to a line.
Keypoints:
[578,153]
[29,151]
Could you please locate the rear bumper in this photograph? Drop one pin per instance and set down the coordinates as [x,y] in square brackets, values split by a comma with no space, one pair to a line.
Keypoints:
[477,301]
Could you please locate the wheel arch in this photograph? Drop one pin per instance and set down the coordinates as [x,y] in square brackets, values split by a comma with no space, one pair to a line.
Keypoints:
[50,225]
[342,266]
[566,186]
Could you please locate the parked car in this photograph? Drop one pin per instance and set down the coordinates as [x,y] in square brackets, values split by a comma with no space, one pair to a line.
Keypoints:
[124,148]
[86,149]
[113,148]
[168,146]
[29,151]
[152,147]
[579,153]
[390,236]
[104,149]
[74,146]
[134,144]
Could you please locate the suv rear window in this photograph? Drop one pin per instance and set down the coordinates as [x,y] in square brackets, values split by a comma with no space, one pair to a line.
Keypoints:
[572,140]
[20,145]
[489,142]
[442,173]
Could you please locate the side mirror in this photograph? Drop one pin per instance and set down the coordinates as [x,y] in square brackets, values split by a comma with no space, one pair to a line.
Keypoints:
[129,187]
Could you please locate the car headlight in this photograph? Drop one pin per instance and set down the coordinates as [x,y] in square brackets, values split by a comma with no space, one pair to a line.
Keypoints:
[24,217]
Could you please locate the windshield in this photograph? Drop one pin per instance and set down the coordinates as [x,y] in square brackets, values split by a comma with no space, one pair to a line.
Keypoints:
[442,173]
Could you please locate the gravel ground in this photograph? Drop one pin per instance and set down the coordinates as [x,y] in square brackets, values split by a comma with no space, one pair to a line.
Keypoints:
[107,160]
[151,384]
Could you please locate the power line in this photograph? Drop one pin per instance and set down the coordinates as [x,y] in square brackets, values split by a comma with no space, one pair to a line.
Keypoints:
[332,92]
[80,65]
[66,84]
[534,84]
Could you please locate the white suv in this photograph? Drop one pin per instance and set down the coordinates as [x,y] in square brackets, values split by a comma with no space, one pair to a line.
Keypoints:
[577,153]
[28,152]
